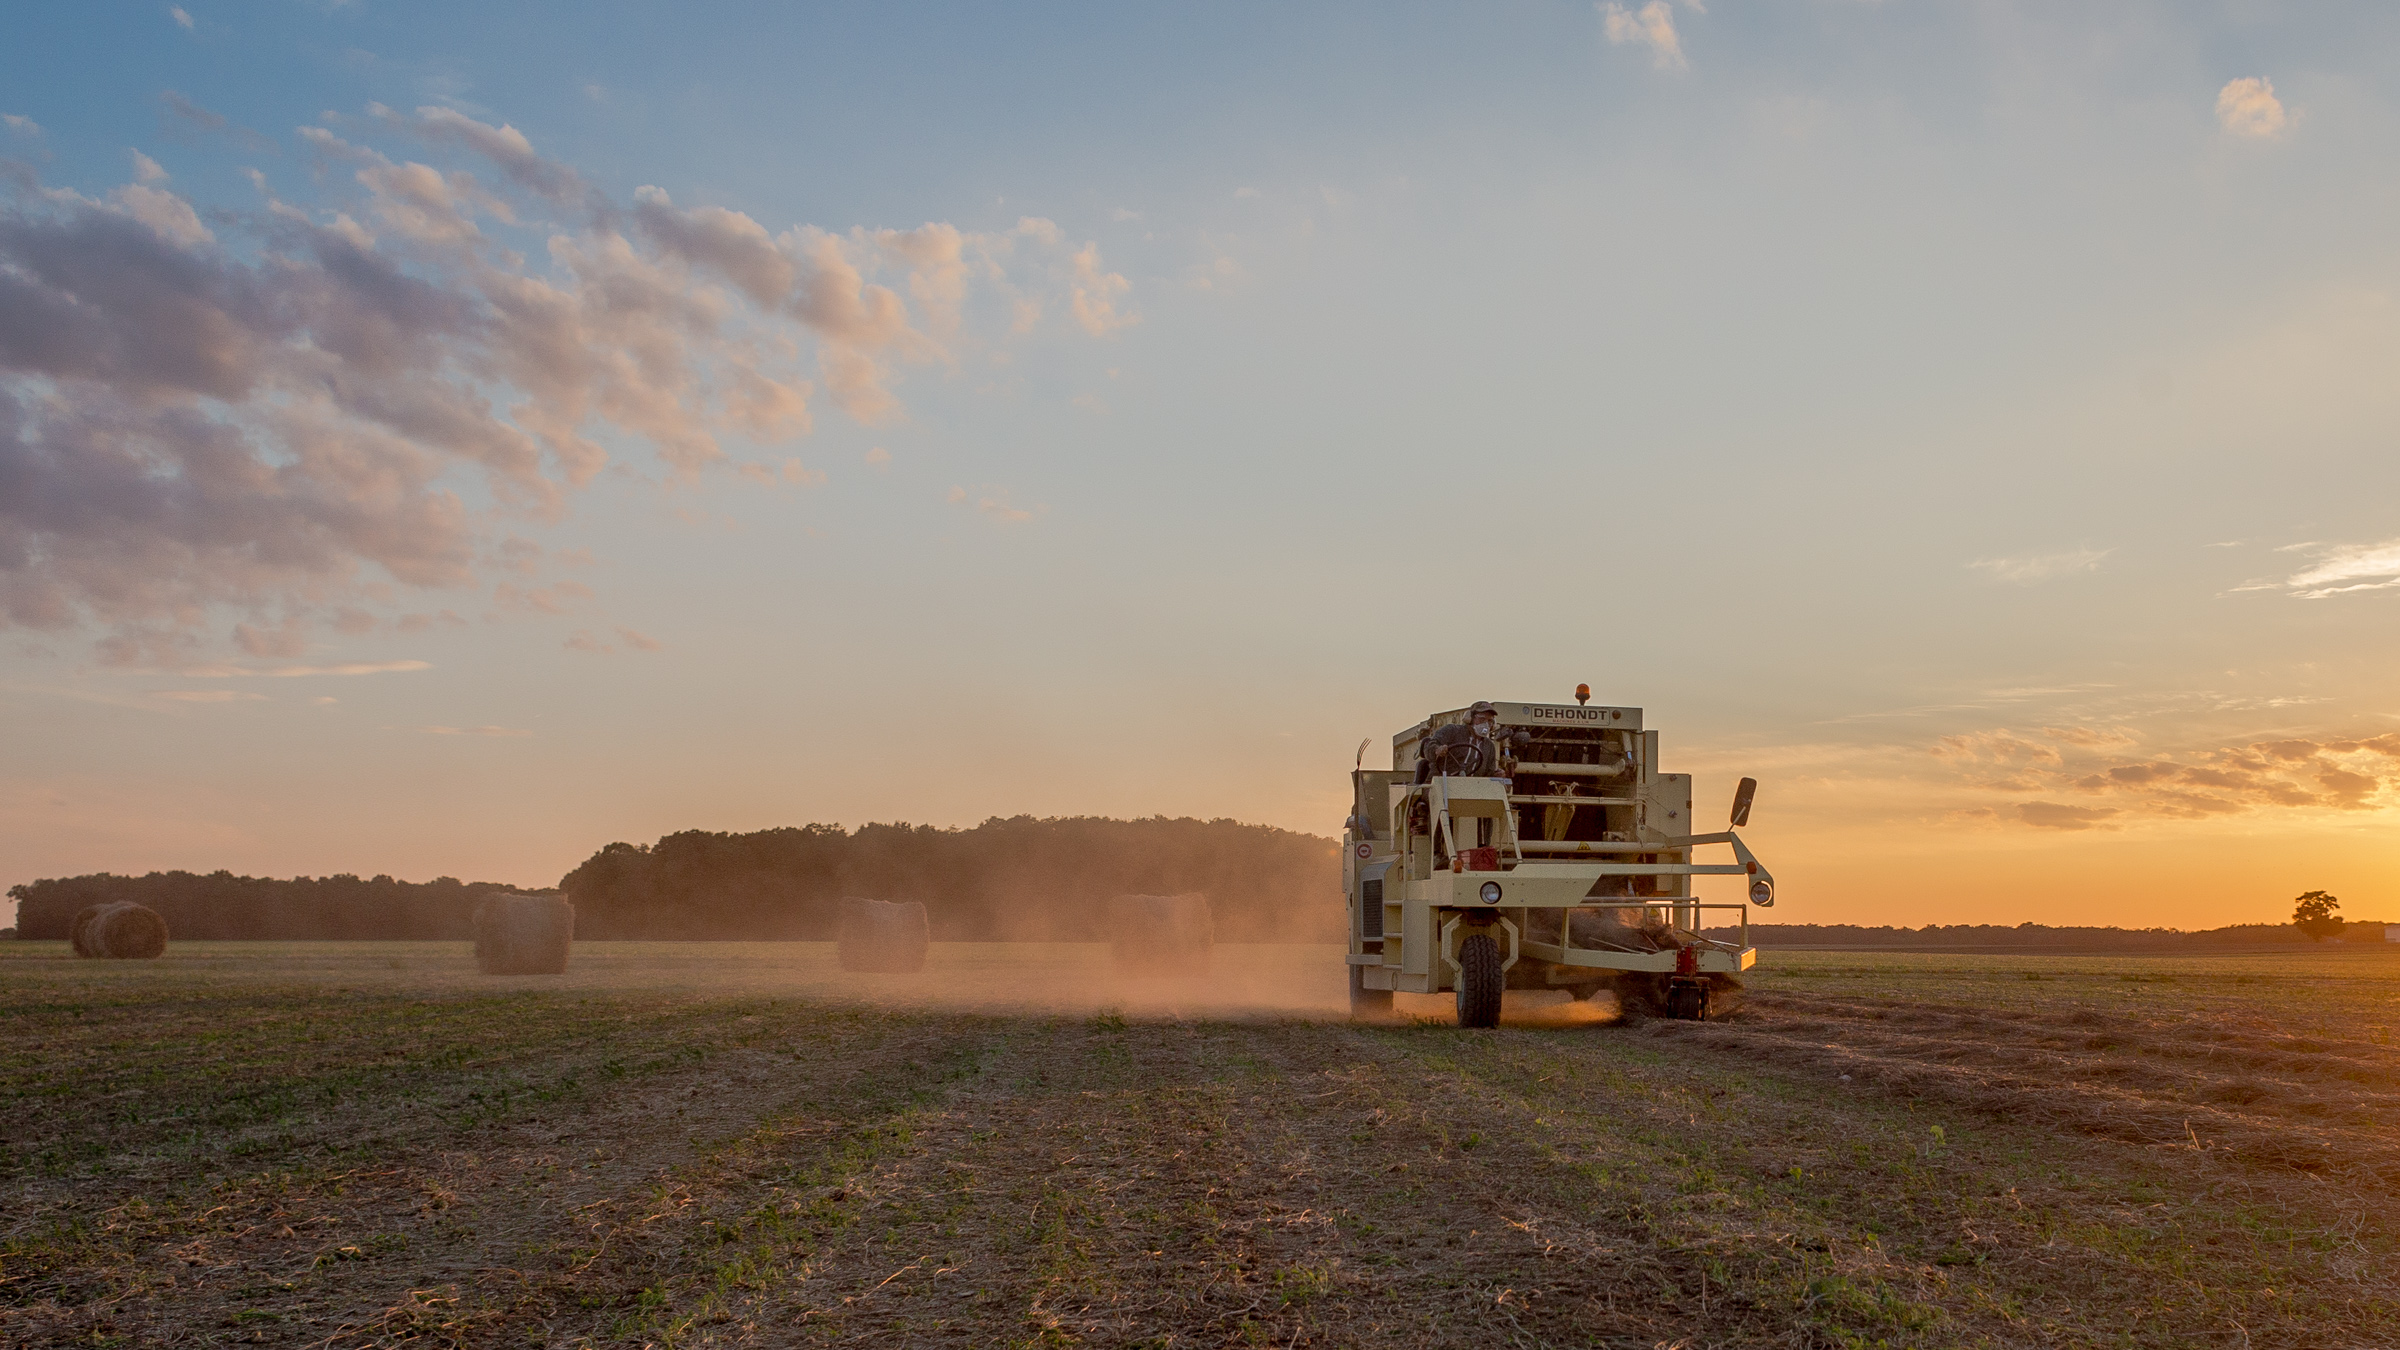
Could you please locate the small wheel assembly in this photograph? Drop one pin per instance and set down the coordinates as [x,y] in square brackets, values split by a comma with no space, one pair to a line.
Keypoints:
[1479,981]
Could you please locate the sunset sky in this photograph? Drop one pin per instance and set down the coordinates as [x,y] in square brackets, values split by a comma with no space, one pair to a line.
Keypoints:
[443,439]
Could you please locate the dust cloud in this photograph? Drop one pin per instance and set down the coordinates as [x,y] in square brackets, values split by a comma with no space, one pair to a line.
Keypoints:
[1237,980]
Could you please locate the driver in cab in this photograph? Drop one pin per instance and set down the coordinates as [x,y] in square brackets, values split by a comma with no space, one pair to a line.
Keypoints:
[1469,749]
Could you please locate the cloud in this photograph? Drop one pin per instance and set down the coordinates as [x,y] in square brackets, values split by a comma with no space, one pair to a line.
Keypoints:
[184,120]
[209,695]
[559,597]
[20,125]
[2053,816]
[288,640]
[2343,773]
[473,731]
[348,397]
[2248,107]
[1094,295]
[2346,568]
[584,641]
[182,18]
[305,672]
[878,457]
[2041,567]
[992,502]
[505,146]
[1999,747]
[183,109]
[2091,737]
[796,472]
[1652,26]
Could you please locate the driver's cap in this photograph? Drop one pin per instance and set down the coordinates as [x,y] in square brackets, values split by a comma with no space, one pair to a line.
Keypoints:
[1483,708]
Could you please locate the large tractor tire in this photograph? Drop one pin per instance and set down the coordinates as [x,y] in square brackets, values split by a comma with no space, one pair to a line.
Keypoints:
[1368,1005]
[1479,981]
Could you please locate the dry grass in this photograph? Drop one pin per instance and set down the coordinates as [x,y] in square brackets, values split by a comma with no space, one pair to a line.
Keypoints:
[338,1145]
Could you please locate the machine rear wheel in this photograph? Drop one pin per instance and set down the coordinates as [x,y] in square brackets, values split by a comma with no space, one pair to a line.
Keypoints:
[1367,1005]
[1688,1000]
[1479,981]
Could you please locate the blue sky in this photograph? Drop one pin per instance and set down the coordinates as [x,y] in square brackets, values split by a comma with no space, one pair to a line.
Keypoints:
[1973,420]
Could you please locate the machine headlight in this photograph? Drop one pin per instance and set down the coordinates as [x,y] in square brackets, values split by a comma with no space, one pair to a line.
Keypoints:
[1490,892]
[1762,894]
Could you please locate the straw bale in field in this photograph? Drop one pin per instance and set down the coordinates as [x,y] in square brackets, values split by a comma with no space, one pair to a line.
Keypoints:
[83,919]
[118,928]
[1161,932]
[523,934]
[886,938]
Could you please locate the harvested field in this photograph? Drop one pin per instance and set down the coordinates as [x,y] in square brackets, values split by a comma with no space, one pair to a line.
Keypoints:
[321,1144]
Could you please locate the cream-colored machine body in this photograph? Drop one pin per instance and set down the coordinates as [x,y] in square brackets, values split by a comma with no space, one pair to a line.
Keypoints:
[1571,815]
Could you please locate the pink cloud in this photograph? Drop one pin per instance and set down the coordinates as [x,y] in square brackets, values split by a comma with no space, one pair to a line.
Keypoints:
[289,420]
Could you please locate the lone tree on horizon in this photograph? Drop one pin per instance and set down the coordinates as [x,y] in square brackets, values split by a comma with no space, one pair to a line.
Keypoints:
[2312,913]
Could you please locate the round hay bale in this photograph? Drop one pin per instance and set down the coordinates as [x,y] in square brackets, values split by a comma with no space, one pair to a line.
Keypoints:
[523,934]
[1163,933]
[887,938]
[118,929]
[75,930]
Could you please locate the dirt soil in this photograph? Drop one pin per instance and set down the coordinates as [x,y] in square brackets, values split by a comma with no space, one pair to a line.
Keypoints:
[367,1144]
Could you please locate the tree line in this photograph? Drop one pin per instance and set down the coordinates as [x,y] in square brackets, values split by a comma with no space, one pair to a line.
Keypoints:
[222,905]
[1018,879]
[1014,879]
[2032,936]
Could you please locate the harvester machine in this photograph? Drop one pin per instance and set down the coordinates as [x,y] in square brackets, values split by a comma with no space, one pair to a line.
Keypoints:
[1538,846]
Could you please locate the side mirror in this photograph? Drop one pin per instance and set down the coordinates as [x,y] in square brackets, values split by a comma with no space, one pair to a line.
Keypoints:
[1747,789]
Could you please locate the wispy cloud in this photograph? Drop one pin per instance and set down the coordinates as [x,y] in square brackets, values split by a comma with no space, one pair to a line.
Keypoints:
[2041,567]
[1651,26]
[181,16]
[2054,816]
[2344,568]
[208,696]
[20,125]
[474,731]
[1094,294]
[221,672]
[2248,107]
[583,641]
[184,120]
[2105,738]
[992,502]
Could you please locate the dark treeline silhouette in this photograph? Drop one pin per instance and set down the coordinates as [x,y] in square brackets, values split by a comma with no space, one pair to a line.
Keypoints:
[1020,879]
[222,905]
[2033,937]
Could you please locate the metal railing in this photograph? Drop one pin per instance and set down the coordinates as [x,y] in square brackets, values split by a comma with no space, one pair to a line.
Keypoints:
[1566,940]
